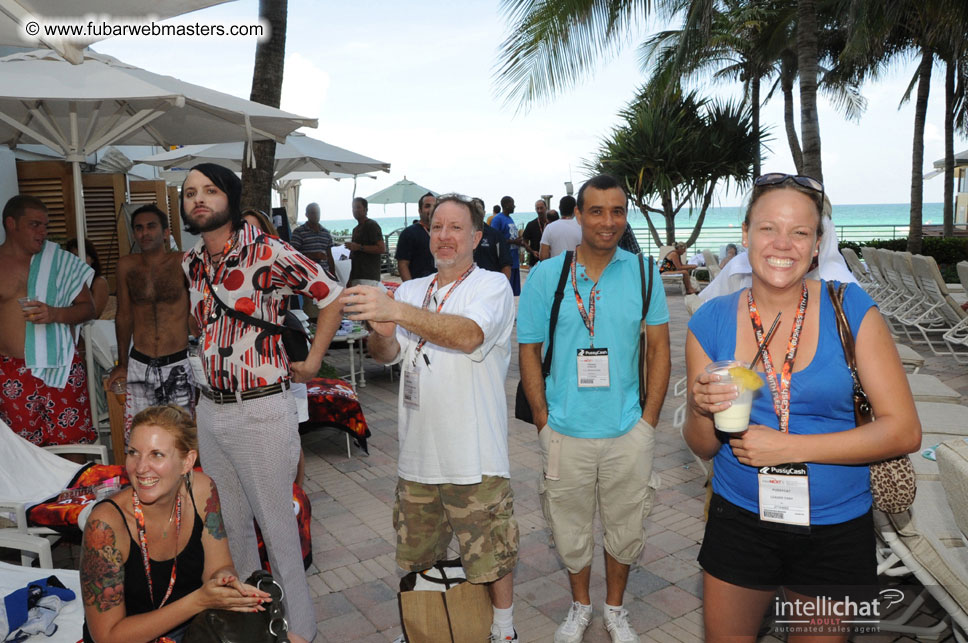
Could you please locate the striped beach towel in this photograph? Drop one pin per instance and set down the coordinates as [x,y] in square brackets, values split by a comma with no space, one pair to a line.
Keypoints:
[56,278]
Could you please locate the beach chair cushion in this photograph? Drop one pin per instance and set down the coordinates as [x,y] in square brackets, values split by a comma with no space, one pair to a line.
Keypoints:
[942,417]
[928,388]
[953,468]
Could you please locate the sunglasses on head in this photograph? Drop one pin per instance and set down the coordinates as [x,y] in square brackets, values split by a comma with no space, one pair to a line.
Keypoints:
[776,178]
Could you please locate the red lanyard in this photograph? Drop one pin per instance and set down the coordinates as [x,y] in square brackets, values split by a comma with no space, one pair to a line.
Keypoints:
[781,391]
[440,306]
[139,518]
[587,317]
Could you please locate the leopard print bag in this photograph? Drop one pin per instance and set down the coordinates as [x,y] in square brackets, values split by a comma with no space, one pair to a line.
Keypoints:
[893,481]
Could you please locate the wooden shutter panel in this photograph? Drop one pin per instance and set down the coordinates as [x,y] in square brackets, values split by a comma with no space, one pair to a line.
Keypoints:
[52,183]
[103,196]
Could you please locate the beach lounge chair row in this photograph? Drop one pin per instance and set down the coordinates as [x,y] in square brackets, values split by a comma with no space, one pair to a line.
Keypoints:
[915,300]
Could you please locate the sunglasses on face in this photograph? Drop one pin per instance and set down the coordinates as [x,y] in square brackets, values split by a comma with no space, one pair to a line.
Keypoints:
[776,178]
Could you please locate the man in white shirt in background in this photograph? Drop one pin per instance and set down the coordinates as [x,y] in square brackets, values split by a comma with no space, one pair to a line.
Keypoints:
[451,332]
[561,235]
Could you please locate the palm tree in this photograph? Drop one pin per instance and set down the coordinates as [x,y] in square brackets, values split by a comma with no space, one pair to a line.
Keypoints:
[885,31]
[676,151]
[555,44]
[751,42]
[270,58]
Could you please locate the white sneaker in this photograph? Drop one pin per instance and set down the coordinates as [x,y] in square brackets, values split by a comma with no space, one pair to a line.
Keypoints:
[497,638]
[572,629]
[617,624]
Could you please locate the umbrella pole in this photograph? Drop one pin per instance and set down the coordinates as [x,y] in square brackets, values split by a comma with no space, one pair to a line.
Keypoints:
[79,221]
[404,214]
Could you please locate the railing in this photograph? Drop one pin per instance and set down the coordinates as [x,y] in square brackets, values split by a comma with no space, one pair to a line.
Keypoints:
[712,238]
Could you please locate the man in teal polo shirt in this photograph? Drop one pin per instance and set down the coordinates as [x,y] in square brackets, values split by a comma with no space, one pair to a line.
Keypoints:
[596,440]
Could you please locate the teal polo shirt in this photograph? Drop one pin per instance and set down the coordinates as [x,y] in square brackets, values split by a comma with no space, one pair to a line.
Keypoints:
[591,412]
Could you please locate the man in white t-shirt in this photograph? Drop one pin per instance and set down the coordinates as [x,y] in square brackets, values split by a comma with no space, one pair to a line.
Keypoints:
[561,235]
[451,332]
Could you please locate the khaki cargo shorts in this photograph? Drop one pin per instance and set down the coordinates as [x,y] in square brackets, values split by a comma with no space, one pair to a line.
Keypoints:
[427,516]
[614,474]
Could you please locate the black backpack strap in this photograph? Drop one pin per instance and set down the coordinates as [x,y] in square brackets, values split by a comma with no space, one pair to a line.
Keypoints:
[646,300]
[555,307]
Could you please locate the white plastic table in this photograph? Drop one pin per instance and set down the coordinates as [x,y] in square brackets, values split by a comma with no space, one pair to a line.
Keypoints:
[354,340]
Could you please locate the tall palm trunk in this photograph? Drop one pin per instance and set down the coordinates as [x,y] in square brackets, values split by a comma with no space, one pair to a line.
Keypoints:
[787,76]
[755,114]
[917,154]
[669,211]
[807,64]
[949,147]
[270,58]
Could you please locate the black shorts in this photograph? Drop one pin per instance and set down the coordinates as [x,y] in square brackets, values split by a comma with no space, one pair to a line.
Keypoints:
[740,549]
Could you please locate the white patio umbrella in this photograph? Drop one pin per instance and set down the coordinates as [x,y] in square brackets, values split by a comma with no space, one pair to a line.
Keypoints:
[22,21]
[79,109]
[299,153]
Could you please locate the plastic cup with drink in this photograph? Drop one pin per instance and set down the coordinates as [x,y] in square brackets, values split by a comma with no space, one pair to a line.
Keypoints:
[735,419]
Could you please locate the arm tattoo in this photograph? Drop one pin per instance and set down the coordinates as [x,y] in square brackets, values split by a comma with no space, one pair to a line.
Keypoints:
[213,515]
[102,571]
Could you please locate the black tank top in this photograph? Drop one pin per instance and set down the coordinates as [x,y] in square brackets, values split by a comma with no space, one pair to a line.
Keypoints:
[191,564]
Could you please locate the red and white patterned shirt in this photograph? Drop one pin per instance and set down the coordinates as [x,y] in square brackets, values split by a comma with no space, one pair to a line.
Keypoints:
[255,275]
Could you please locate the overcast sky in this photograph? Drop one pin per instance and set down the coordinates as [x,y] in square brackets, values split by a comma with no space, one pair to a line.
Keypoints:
[412,84]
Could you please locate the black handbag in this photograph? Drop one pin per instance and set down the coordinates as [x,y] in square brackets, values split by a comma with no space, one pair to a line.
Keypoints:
[522,409]
[295,340]
[226,626]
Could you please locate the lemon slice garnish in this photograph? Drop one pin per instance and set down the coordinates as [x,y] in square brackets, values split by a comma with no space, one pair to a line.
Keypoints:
[745,377]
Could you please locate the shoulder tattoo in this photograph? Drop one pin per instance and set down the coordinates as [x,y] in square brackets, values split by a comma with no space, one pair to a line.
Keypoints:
[102,571]
[213,515]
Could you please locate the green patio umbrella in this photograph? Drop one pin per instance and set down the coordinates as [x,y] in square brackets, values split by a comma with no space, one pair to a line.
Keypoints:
[404,192]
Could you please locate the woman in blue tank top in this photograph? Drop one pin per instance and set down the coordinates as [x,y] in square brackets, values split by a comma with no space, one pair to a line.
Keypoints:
[791,504]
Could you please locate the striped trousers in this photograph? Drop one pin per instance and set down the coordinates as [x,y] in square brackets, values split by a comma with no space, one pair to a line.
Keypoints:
[251,450]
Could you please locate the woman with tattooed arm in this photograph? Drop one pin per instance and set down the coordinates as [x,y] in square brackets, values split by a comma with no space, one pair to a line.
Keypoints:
[155,554]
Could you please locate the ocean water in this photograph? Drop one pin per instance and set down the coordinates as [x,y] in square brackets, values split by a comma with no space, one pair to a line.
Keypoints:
[732,216]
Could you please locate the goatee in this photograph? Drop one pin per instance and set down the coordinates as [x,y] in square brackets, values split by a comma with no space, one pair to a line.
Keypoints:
[214,222]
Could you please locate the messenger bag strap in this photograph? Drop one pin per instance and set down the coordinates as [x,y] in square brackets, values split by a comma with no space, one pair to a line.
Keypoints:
[555,307]
[239,315]
[646,300]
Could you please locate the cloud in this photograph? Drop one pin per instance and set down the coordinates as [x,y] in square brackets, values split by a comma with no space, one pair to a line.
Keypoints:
[304,87]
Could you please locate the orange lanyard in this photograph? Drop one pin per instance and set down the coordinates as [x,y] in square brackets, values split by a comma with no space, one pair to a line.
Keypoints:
[440,306]
[139,518]
[780,390]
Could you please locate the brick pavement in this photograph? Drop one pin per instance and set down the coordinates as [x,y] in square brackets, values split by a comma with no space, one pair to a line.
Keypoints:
[355,578]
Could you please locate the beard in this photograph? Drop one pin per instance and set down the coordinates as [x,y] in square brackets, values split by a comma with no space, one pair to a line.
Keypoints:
[214,222]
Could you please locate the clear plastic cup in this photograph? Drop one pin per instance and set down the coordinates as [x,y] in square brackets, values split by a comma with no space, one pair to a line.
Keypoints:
[23,302]
[736,418]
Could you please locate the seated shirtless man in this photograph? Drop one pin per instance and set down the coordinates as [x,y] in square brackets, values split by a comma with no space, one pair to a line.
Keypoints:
[152,306]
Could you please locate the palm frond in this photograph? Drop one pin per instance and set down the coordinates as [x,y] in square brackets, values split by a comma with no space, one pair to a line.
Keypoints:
[555,44]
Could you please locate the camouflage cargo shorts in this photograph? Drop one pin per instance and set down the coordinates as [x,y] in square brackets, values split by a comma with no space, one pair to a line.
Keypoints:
[427,516]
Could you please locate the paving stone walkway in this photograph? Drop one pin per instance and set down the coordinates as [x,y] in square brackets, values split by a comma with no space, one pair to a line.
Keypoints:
[354,576]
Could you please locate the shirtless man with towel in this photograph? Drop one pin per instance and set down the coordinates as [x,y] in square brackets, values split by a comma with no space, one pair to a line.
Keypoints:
[44,294]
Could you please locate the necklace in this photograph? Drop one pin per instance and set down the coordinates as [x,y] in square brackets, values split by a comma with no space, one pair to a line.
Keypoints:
[164,532]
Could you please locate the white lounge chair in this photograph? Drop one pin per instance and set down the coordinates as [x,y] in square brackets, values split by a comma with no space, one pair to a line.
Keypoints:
[857,269]
[957,336]
[926,542]
[941,313]
[31,475]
